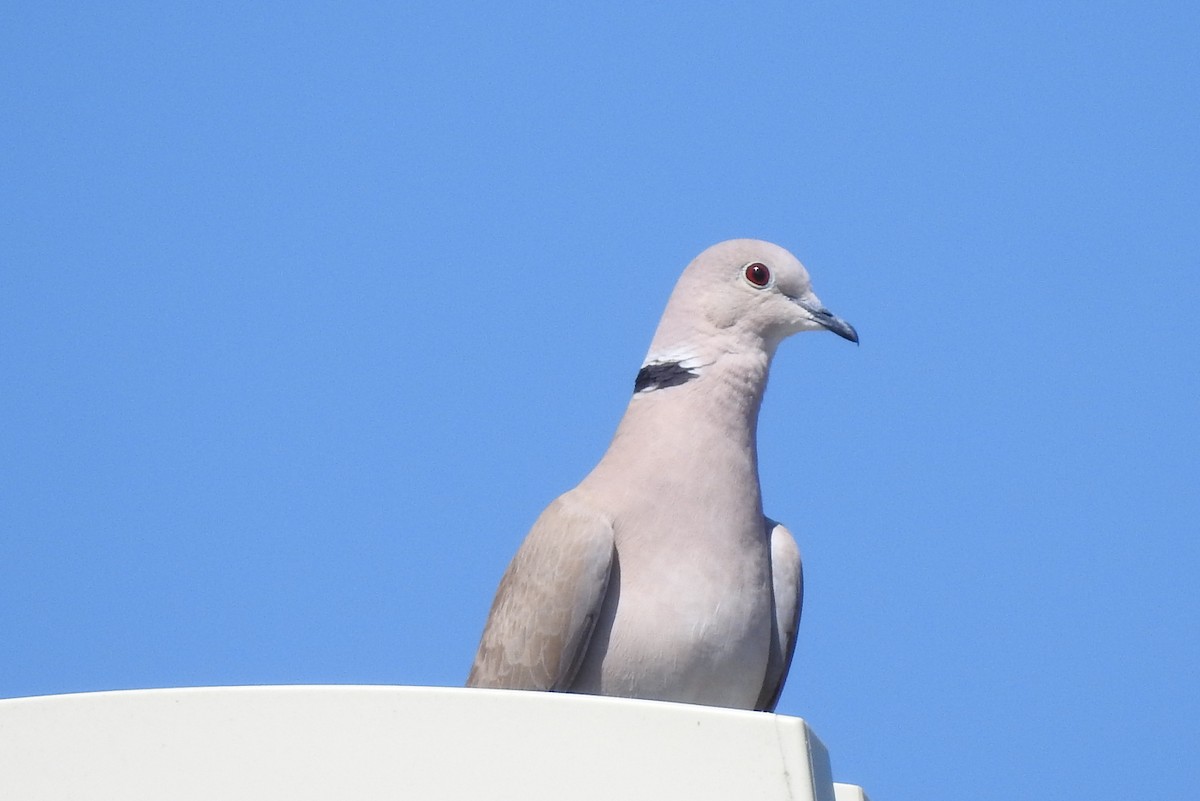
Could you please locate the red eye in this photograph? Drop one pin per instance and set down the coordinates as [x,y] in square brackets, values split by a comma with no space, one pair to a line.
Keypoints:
[758,274]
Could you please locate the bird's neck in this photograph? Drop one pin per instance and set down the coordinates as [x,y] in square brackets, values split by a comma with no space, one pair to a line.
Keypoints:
[698,407]
[690,444]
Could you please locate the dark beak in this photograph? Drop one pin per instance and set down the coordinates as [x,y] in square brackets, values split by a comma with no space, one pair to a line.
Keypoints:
[828,319]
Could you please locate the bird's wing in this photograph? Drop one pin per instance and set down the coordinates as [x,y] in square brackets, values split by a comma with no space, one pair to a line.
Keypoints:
[787,579]
[549,598]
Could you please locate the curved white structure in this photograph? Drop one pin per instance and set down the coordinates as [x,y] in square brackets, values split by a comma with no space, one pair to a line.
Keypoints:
[367,743]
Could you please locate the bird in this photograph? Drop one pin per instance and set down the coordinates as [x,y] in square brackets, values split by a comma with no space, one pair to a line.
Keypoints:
[658,576]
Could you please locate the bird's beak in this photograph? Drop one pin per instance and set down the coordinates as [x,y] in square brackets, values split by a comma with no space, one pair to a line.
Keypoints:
[827,319]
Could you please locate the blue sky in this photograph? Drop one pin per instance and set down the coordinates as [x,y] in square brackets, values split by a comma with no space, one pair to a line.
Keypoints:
[307,310]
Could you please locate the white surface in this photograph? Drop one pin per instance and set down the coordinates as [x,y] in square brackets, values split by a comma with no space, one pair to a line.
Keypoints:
[370,743]
[848,792]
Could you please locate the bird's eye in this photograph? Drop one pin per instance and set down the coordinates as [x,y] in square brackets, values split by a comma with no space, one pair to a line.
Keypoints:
[758,274]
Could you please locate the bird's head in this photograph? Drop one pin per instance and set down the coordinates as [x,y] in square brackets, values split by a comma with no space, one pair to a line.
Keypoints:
[754,289]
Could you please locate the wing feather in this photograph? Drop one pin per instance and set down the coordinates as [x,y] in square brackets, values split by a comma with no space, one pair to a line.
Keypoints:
[787,579]
[549,598]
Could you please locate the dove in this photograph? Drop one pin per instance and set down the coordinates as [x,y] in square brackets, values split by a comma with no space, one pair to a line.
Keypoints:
[659,576]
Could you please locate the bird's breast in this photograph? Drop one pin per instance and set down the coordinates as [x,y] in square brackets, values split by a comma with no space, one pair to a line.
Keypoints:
[687,618]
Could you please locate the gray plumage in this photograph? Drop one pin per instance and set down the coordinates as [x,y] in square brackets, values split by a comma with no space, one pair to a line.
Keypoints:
[659,576]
